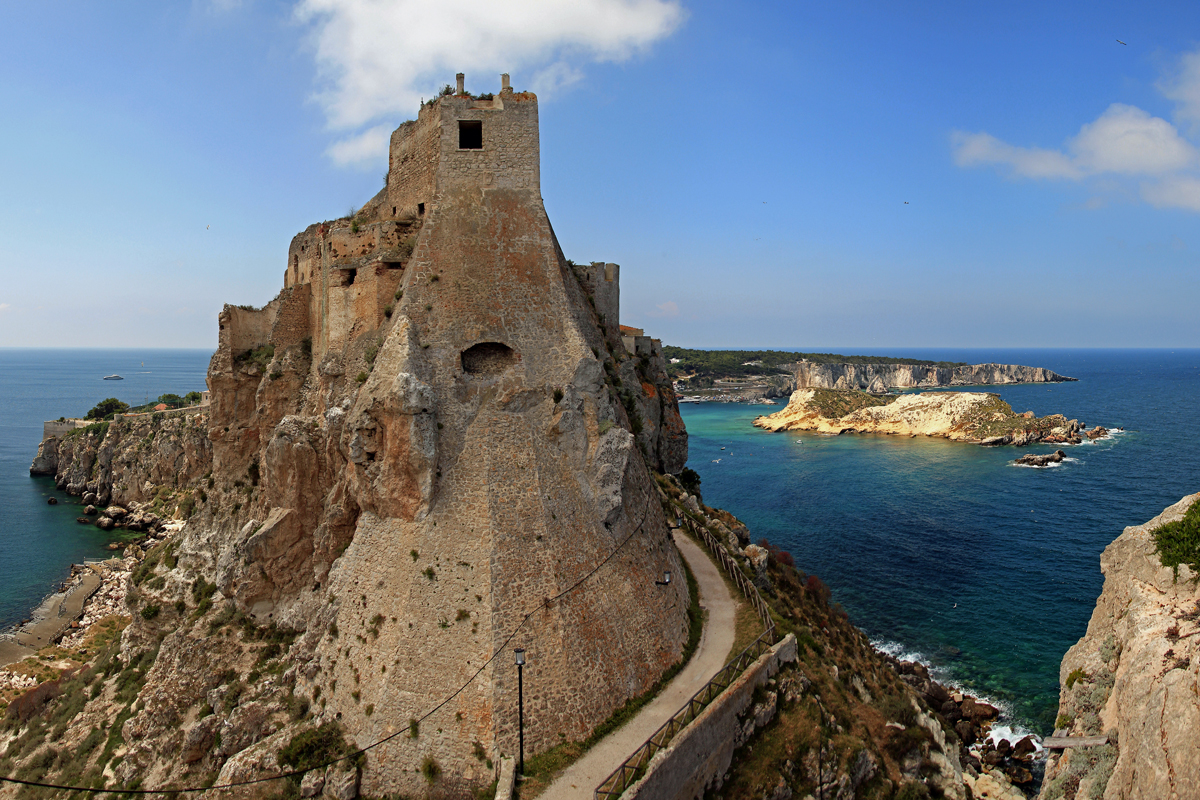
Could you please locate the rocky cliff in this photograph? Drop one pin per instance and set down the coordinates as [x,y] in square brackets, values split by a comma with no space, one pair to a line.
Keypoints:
[431,448]
[133,459]
[878,378]
[1134,678]
[977,417]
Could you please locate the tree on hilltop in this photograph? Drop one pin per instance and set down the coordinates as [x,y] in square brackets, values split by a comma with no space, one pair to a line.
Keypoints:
[105,409]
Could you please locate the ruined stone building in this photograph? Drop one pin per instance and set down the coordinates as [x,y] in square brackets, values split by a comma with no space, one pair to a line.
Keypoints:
[431,448]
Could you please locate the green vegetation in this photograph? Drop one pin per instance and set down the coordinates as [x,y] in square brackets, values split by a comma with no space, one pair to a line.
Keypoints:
[737,363]
[259,356]
[106,409]
[1179,542]
[1076,676]
[836,403]
[316,747]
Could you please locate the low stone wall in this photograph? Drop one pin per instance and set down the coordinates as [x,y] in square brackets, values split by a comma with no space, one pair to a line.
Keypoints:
[703,750]
[54,429]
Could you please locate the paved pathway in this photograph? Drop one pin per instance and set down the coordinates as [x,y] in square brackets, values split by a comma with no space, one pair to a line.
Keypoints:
[581,778]
[52,617]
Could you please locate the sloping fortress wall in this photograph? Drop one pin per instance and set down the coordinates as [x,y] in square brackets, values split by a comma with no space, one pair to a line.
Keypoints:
[448,444]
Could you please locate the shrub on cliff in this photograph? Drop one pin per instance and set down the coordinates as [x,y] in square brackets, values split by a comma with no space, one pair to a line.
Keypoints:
[1179,542]
[105,409]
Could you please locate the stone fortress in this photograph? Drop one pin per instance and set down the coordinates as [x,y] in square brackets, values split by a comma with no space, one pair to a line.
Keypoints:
[447,433]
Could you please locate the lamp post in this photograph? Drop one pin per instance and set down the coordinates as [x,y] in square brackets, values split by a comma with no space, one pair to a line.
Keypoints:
[519,653]
[666,581]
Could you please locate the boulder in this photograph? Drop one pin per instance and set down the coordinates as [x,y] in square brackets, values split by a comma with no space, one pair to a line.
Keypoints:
[116,512]
[341,785]
[83,520]
[1097,432]
[1025,746]
[198,739]
[1019,775]
[90,510]
[312,784]
[977,711]
[965,731]
[757,555]
[937,694]
[1032,460]
[53,501]
[104,523]
[90,498]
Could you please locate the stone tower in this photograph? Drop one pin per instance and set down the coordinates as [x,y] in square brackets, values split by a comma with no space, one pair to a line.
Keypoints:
[449,462]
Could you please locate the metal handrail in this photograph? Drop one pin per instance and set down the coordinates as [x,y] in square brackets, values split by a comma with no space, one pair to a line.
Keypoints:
[623,776]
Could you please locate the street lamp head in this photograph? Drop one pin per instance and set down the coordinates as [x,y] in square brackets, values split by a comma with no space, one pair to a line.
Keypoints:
[519,653]
[666,579]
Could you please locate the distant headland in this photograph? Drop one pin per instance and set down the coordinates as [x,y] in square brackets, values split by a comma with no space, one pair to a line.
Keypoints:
[757,376]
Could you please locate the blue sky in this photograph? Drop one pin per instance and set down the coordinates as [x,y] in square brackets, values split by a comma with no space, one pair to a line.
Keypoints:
[746,164]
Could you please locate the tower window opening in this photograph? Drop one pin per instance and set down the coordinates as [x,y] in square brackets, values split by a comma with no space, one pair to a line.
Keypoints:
[420,209]
[470,134]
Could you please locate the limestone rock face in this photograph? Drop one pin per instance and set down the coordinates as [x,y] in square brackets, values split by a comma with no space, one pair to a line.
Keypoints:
[131,460]
[961,416]
[1136,676]
[431,448]
[879,378]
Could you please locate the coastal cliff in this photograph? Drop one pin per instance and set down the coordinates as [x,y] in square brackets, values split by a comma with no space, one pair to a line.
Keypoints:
[1134,678]
[433,446]
[977,417]
[136,458]
[879,378]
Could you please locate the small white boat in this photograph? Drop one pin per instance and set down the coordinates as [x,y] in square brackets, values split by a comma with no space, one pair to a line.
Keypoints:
[113,378]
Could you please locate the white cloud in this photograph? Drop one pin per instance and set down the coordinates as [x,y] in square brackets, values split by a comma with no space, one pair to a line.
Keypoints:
[362,149]
[1123,140]
[1179,191]
[1184,88]
[972,149]
[1128,141]
[376,59]
[1122,144]
[667,309]
[5,306]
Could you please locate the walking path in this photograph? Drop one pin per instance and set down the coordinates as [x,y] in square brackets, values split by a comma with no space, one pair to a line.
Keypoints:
[579,780]
[53,617]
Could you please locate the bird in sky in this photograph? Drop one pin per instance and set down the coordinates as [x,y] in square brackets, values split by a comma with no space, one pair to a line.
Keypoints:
[905,202]
[1122,42]
[206,227]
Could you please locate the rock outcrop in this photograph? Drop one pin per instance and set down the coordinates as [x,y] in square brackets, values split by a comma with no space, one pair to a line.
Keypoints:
[961,416]
[879,378]
[1134,677]
[431,448]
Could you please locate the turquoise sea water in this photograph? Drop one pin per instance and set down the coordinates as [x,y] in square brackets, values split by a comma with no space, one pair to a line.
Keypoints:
[946,551]
[40,541]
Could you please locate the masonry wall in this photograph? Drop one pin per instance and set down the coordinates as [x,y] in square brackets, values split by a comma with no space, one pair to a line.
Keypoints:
[510,157]
[603,282]
[242,329]
[412,164]
[702,752]
[292,321]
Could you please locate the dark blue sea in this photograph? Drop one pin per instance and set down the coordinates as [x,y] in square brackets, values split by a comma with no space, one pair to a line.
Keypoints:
[949,553]
[40,541]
